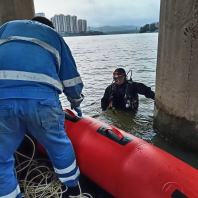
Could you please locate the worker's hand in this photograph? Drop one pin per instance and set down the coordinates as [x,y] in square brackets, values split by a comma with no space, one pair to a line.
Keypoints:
[110,105]
[78,111]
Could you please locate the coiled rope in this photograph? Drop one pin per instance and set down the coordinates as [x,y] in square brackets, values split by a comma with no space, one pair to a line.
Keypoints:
[37,179]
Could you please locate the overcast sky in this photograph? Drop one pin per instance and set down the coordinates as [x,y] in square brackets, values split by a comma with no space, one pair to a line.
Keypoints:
[103,12]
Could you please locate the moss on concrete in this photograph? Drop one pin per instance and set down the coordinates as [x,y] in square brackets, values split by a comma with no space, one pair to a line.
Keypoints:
[176,129]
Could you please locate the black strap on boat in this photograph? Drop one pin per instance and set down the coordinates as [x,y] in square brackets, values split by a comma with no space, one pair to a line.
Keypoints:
[71,117]
[178,194]
[113,136]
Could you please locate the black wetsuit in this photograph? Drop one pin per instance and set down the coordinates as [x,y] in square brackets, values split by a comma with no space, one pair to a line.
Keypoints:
[125,96]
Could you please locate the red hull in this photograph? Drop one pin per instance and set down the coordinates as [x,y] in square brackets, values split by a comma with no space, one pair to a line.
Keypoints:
[134,170]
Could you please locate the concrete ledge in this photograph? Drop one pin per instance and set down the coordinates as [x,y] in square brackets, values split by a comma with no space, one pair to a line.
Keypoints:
[177,130]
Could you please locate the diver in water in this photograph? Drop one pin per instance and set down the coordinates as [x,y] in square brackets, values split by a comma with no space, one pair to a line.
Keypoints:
[122,94]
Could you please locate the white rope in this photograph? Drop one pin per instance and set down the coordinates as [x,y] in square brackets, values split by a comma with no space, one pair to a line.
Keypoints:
[40,180]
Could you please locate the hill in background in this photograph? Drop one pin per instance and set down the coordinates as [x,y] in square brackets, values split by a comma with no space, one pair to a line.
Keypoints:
[115,29]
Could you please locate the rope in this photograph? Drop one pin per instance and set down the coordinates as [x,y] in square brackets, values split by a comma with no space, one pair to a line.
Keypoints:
[38,180]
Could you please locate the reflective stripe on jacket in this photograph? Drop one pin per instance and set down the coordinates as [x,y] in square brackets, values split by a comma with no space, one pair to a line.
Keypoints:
[34,55]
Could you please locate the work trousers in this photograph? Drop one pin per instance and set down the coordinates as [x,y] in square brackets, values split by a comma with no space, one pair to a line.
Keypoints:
[43,119]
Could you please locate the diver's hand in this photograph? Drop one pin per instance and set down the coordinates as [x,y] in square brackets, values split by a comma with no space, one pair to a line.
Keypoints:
[110,105]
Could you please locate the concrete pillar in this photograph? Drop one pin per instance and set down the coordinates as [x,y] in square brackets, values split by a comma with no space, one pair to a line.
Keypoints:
[176,108]
[16,9]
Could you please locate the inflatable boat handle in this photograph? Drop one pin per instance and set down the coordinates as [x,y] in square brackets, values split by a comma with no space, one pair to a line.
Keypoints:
[114,134]
[70,115]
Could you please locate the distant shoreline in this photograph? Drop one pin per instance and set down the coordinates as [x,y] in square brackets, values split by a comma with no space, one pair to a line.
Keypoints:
[101,33]
[110,30]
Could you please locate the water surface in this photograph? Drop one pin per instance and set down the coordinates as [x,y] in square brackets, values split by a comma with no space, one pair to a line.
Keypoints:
[97,57]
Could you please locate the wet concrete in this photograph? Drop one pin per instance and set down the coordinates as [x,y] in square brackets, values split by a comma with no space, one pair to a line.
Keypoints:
[179,130]
[176,105]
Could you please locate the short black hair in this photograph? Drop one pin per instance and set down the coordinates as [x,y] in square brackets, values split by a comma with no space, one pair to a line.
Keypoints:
[43,20]
[120,71]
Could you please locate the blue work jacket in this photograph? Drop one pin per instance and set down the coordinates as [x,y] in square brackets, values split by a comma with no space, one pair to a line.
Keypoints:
[35,62]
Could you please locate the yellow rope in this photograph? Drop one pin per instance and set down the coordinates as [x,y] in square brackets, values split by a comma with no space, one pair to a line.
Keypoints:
[40,181]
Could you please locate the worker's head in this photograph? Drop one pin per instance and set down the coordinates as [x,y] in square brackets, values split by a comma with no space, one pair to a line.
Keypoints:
[119,76]
[43,20]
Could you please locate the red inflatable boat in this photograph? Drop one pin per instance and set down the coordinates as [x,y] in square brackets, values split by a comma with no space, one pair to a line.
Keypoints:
[126,166]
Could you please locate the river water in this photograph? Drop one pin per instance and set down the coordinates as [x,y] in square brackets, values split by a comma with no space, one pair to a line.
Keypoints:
[97,57]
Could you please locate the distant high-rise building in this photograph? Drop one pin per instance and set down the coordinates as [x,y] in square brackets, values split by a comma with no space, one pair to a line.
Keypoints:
[60,23]
[68,24]
[79,25]
[74,24]
[82,25]
[40,14]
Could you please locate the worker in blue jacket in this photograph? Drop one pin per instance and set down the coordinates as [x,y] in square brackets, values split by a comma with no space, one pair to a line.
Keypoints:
[36,65]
